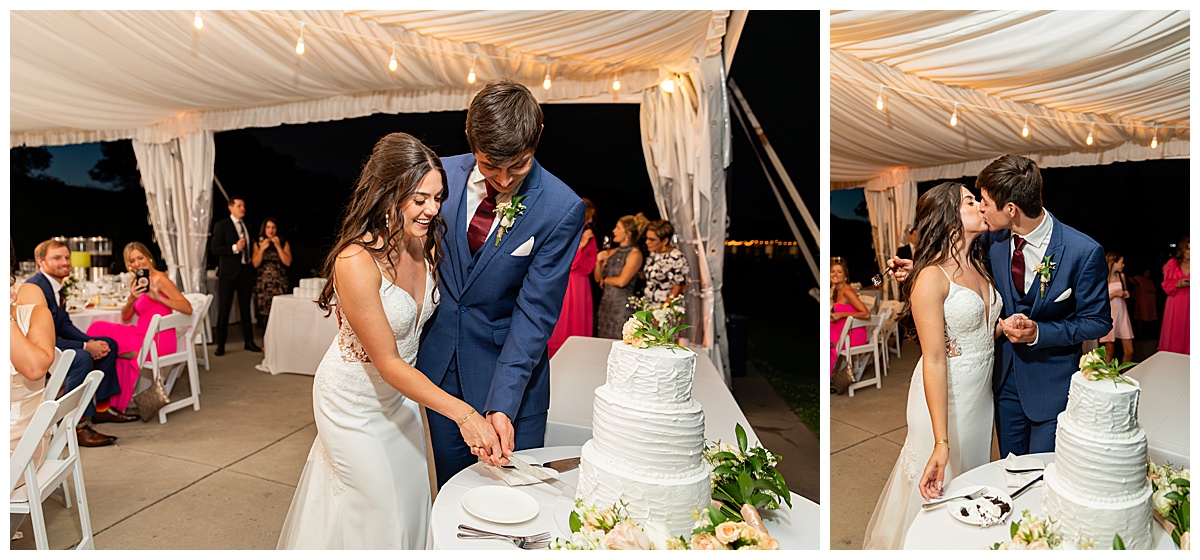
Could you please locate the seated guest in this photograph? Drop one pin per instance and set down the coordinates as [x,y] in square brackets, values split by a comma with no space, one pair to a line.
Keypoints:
[31,352]
[666,267]
[54,264]
[161,297]
[844,303]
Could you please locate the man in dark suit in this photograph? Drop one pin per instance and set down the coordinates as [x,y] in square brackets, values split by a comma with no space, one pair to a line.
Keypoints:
[906,251]
[231,243]
[54,264]
[502,280]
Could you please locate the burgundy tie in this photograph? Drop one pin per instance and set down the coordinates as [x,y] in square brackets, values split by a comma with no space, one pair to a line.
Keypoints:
[481,223]
[1018,265]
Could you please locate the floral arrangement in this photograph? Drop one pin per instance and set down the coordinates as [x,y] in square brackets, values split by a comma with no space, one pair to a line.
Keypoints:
[716,531]
[611,529]
[508,212]
[1093,367]
[1173,501]
[1035,533]
[1043,270]
[69,286]
[654,328]
[745,476]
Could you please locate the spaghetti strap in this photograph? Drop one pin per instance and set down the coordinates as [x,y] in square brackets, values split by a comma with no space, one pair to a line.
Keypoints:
[944,272]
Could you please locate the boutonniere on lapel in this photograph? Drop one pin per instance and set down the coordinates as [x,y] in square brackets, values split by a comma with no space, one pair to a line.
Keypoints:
[508,212]
[1043,270]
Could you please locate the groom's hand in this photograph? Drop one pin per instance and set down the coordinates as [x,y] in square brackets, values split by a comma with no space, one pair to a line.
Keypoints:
[1020,329]
[504,429]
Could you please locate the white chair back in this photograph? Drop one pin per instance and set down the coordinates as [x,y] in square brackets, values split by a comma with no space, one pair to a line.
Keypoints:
[871,347]
[200,304]
[58,372]
[184,356]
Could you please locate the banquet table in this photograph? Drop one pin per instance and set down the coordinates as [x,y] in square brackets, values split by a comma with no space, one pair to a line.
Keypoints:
[83,318]
[298,334]
[1163,406]
[934,529]
[796,528]
[580,366]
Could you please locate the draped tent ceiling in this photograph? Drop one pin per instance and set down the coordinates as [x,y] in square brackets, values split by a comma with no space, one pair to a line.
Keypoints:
[154,78]
[1126,71]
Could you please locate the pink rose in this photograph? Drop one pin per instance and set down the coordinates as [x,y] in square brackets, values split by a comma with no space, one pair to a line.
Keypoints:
[626,536]
[706,541]
[728,532]
[767,542]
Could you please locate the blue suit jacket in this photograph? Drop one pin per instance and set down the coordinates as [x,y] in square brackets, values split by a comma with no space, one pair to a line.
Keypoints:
[67,335]
[1043,371]
[497,311]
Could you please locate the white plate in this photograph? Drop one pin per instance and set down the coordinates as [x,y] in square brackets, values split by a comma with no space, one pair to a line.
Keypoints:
[992,508]
[500,504]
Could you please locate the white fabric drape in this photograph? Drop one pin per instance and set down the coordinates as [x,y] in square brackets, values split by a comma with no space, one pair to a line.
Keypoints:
[892,207]
[177,177]
[1128,72]
[685,136]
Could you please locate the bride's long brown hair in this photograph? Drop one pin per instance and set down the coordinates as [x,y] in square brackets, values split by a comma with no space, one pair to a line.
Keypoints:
[390,177]
[939,230]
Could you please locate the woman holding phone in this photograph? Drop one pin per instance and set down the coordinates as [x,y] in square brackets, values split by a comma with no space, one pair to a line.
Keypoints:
[151,293]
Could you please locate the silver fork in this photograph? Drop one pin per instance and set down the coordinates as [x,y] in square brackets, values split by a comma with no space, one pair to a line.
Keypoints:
[540,540]
[972,496]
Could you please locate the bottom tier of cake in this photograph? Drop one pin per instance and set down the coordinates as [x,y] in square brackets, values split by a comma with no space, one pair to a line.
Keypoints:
[1098,520]
[674,502]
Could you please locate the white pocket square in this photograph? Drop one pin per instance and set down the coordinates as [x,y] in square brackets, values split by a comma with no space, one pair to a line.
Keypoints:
[1064,296]
[524,249]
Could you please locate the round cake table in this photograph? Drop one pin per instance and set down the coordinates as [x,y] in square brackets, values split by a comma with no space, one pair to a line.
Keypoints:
[934,529]
[796,528]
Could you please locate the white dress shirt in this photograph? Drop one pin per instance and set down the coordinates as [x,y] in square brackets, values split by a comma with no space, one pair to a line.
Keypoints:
[476,192]
[1036,243]
[240,226]
[55,287]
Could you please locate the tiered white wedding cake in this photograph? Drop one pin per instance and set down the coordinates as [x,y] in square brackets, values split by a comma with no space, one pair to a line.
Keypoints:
[1097,485]
[647,439]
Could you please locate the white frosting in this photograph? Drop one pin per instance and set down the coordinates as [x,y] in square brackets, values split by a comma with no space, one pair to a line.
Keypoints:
[651,374]
[648,438]
[673,501]
[1097,485]
[1098,520]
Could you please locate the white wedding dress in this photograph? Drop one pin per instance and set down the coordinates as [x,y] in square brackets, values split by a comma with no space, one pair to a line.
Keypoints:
[970,327]
[366,482]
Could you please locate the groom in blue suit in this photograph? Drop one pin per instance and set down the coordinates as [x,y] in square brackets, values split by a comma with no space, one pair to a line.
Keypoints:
[1049,314]
[503,274]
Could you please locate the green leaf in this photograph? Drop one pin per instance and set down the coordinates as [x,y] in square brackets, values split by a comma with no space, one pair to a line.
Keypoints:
[758,499]
[733,490]
[723,469]
[715,515]
[1174,496]
[1118,544]
[784,492]
[745,485]
[576,524]
[1013,528]
[741,437]
[1182,482]
[755,462]
[724,456]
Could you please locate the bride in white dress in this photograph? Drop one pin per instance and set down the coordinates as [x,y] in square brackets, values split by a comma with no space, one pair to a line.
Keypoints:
[366,482]
[956,309]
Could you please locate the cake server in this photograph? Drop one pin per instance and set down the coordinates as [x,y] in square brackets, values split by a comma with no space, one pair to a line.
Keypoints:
[523,467]
[1026,487]
[562,465]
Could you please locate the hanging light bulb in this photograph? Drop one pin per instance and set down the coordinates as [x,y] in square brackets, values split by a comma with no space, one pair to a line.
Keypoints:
[392,64]
[1025,128]
[471,74]
[198,21]
[668,84]
[1090,131]
[546,80]
[879,100]
[300,41]
[1154,141]
[616,82]
[954,116]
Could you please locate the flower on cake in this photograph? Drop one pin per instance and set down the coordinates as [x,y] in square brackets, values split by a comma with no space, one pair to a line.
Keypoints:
[611,528]
[644,330]
[1093,366]
[1172,501]
[1035,533]
[715,531]
[629,333]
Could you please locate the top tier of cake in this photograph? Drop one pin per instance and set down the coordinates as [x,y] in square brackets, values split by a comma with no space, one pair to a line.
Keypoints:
[651,374]
[1103,406]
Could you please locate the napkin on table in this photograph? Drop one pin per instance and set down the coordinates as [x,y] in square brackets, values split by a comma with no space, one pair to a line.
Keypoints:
[513,477]
[1017,480]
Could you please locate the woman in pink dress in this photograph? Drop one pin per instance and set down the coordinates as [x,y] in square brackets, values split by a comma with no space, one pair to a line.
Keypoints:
[1117,294]
[1177,283]
[160,297]
[844,303]
[576,316]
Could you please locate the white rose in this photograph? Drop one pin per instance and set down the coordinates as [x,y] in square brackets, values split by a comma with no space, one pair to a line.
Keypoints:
[1162,504]
[658,534]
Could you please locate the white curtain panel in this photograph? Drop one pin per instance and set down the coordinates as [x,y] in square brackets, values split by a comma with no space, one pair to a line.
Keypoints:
[161,170]
[1126,71]
[685,137]
[192,217]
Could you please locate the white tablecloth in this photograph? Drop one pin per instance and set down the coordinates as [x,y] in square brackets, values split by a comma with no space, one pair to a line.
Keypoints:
[210,284]
[579,367]
[84,318]
[1163,406]
[298,334]
[934,529]
[796,528]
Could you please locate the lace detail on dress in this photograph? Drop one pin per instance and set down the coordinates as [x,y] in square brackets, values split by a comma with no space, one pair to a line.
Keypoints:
[908,463]
[348,343]
[953,350]
[335,476]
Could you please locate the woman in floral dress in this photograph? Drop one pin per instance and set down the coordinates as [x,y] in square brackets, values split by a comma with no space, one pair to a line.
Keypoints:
[272,256]
[666,267]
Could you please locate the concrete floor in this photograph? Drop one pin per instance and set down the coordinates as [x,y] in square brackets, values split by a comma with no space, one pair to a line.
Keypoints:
[865,436]
[223,477]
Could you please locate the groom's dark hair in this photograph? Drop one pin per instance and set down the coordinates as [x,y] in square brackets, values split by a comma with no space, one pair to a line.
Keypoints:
[503,120]
[1014,179]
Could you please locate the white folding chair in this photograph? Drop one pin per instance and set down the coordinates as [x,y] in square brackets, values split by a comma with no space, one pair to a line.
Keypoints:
[887,324]
[183,357]
[58,372]
[56,419]
[870,348]
[891,331]
[200,303]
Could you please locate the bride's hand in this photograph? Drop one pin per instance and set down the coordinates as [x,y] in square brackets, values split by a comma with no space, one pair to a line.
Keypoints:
[935,471]
[481,437]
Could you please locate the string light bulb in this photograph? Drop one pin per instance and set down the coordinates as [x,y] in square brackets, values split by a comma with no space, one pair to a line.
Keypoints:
[1025,128]
[300,41]
[668,84]
[392,64]
[1090,139]
[1154,141]
[198,21]
[954,115]
[471,74]
[616,82]
[546,80]
[879,100]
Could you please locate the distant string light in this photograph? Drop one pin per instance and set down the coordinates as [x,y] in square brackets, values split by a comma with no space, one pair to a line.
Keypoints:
[471,74]
[546,80]
[616,82]
[198,21]
[300,41]
[668,84]
[1025,128]
[1090,132]
[879,100]
[1154,141]
[954,116]
[392,64]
